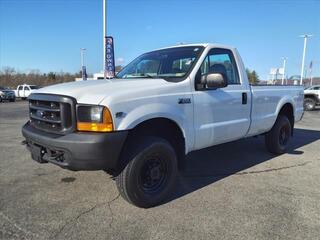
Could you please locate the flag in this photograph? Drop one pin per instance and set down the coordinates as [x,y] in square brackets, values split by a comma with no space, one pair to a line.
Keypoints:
[84,73]
[109,70]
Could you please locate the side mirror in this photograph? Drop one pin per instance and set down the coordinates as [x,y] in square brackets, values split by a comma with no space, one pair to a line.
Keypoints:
[214,80]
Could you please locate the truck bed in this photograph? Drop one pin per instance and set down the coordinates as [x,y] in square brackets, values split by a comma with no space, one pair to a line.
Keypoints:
[266,100]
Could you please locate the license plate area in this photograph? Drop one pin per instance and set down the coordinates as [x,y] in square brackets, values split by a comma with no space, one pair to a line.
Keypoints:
[37,153]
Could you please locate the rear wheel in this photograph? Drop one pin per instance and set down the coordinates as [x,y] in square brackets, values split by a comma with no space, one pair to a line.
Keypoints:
[309,104]
[277,139]
[150,174]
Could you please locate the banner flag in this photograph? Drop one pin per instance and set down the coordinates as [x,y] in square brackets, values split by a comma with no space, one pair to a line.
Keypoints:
[109,61]
[84,73]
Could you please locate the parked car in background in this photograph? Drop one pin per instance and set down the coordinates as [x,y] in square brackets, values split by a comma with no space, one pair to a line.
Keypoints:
[311,97]
[7,94]
[23,91]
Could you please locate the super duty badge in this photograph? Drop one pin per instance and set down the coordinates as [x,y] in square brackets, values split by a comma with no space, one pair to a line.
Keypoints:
[184,100]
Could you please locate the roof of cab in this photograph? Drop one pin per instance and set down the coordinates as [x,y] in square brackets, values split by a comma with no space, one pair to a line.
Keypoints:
[199,44]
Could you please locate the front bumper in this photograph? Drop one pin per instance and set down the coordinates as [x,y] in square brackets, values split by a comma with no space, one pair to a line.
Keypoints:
[76,151]
[8,97]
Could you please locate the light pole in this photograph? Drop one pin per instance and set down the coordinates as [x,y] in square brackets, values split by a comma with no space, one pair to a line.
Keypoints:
[284,68]
[305,36]
[104,35]
[82,56]
[310,71]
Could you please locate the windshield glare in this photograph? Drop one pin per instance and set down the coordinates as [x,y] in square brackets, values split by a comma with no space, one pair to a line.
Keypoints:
[172,63]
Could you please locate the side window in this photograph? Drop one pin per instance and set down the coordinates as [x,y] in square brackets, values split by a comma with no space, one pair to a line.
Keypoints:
[222,61]
[20,88]
[316,88]
[26,88]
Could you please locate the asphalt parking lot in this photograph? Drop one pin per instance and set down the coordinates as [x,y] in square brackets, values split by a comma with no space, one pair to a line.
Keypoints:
[232,191]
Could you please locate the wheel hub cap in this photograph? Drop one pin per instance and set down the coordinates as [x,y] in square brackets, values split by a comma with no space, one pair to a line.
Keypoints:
[153,175]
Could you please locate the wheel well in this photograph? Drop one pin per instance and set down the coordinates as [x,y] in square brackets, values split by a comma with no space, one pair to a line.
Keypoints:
[164,128]
[312,96]
[287,110]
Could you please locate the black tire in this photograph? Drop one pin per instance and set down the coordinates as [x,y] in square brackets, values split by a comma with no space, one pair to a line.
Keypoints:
[12,100]
[23,98]
[0,99]
[277,140]
[309,104]
[150,174]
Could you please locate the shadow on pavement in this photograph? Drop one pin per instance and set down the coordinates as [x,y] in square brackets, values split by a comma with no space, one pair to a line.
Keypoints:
[207,166]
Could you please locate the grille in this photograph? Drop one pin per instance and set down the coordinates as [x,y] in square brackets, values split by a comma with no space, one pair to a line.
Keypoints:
[52,113]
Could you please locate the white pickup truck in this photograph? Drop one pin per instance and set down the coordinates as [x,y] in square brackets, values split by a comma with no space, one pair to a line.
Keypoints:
[163,105]
[23,91]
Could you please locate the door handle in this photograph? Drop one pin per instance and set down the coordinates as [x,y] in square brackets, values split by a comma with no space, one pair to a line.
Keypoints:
[244,98]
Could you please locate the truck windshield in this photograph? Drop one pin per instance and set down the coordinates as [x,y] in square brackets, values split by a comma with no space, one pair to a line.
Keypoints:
[172,64]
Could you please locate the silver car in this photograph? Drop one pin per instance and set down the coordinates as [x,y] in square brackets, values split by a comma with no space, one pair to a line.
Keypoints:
[7,94]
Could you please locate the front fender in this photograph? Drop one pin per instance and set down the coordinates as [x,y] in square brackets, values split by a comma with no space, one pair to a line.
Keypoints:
[158,110]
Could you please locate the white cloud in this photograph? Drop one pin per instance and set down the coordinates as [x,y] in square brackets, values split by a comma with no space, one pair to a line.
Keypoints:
[120,61]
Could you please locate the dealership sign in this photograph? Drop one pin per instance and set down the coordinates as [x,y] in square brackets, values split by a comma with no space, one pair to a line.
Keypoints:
[109,61]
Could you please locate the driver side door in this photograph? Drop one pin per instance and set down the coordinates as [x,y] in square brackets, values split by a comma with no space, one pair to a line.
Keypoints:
[223,114]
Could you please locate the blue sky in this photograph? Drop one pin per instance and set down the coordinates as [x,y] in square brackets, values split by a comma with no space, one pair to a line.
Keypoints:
[48,34]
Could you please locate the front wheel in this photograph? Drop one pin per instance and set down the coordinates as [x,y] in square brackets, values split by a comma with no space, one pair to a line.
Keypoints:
[277,140]
[309,104]
[150,174]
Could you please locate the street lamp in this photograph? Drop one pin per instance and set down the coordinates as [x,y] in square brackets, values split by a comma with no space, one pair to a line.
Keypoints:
[305,36]
[283,68]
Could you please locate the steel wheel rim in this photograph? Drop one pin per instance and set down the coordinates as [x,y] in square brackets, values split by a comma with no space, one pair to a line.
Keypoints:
[154,173]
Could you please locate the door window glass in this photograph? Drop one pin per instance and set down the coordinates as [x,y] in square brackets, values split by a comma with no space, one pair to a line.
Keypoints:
[222,61]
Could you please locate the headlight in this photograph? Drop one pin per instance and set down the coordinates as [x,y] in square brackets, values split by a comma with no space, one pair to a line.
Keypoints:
[94,118]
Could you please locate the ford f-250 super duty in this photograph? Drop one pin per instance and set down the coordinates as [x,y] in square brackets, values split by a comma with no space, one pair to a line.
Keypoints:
[163,105]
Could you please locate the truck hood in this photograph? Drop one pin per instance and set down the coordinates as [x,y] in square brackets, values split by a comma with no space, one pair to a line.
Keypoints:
[94,91]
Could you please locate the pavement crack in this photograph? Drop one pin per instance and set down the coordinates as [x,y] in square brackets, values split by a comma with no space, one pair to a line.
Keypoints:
[248,172]
[110,209]
[14,224]
[75,219]
[273,169]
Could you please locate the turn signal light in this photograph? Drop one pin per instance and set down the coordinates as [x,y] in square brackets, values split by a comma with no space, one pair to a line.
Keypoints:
[105,126]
